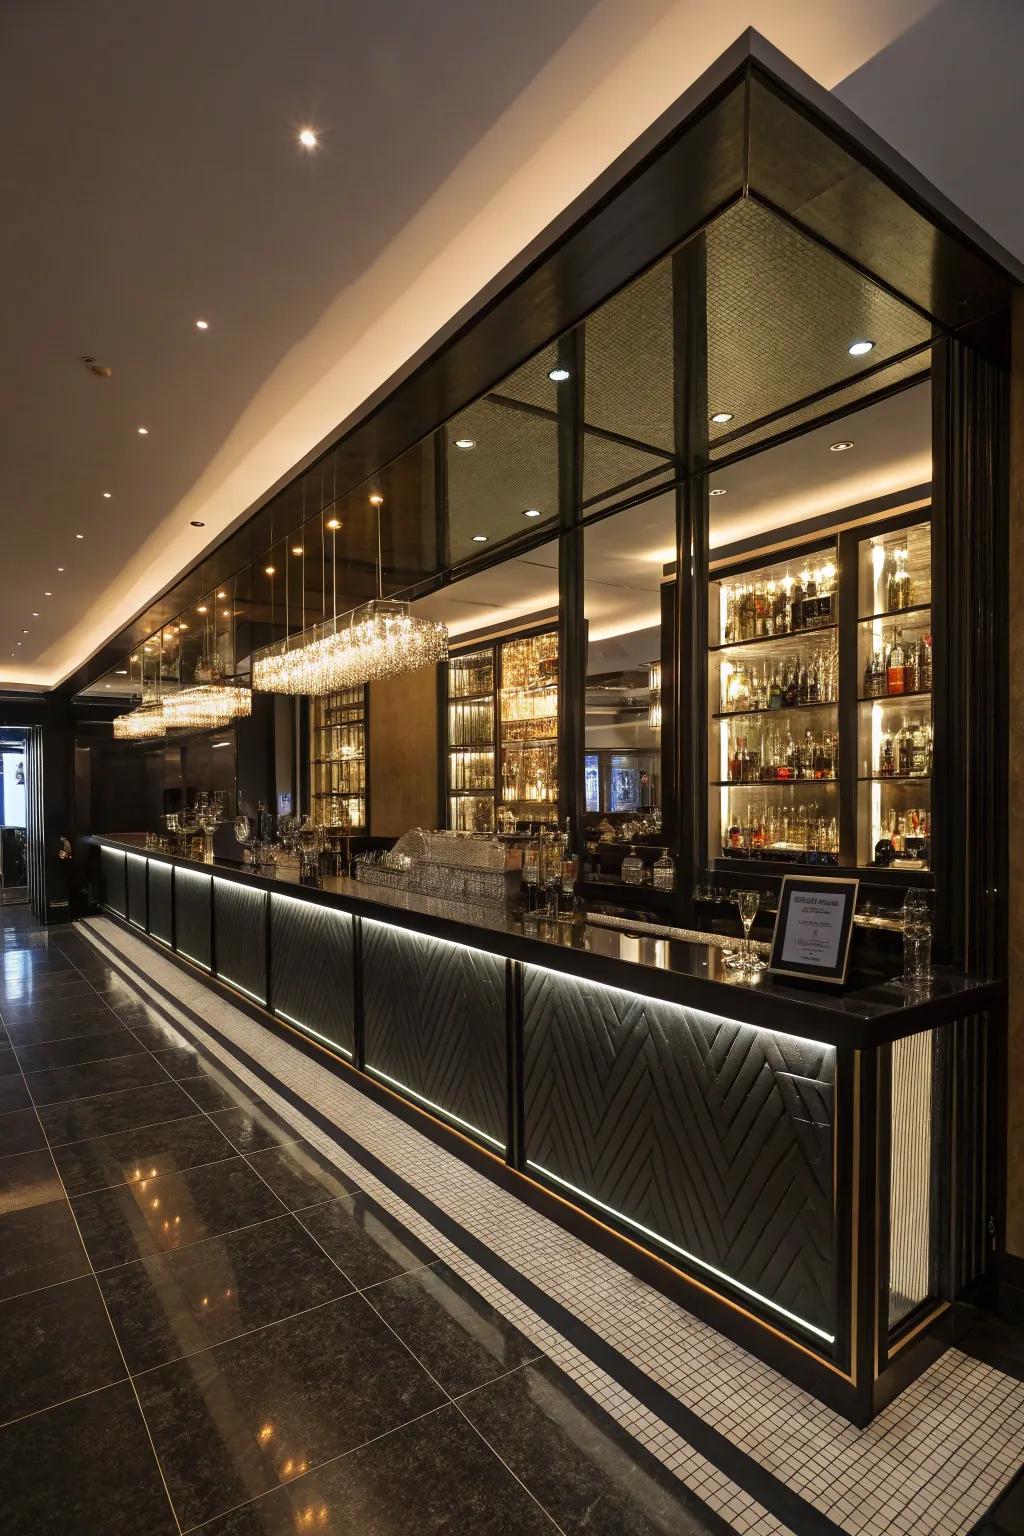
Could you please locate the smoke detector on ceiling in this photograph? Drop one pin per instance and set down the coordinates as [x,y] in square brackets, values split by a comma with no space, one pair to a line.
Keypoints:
[98,369]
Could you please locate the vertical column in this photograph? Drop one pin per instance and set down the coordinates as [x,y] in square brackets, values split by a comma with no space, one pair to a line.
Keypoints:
[689,684]
[572,632]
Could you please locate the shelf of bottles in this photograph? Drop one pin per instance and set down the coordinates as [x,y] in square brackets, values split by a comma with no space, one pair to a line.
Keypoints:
[471,741]
[528,726]
[337,760]
[773,689]
[894,709]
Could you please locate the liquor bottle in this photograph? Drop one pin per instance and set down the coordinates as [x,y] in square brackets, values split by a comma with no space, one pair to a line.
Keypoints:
[664,876]
[802,686]
[924,664]
[780,611]
[886,757]
[775,693]
[905,753]
[632,868]
[811,603]
[814,681]
[796,607]
[735,836]
[911,675]
[792,685]
[894,672]
[869,677]
[826,596]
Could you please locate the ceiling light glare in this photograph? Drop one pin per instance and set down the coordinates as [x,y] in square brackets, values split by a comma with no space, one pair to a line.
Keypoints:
[78,536]
[143,431]
[296,549]
[721,417]
[47,594]
[465,442]
[716,491]
[558,375]
[333,524]
[479,538]
[532,512]
[376,500]
[106,495]
[308,139]
[269,569]
[859,348]
[202,325]
[842,446]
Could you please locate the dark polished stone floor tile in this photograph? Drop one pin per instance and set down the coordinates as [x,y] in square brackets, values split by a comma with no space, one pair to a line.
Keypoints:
[177,1303]
[39,1246]
[1007,1514]
[434,1477]
[57,1343]
[20,1131]
[364,1240]
[145,1153]
[80,1119]
[13,1094]
[214,1093]
[587,1472]
[237,1419]
[58,1021]
[156,1035]
[8,1060]
[301,1175]
[103,1045]
[84,1468]
[455,1333]
[161,1215]
[102,975]
[115,991]
[55,989]
[183,1062]
[250,1130]
[136,1013]
[90,1078]
[26,1179]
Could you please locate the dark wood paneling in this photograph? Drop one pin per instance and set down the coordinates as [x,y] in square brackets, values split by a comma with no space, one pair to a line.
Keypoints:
[113,881]
[192,916]
[312,969]
[160,911]
[712,1135]
[240,937]
[435,1023]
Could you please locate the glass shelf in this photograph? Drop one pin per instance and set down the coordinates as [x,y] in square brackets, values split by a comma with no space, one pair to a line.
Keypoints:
[769,642]
[783,709]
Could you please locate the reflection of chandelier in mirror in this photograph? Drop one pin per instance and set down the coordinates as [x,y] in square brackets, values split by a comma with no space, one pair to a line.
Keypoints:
[142,724]
[654,698]
[206,706]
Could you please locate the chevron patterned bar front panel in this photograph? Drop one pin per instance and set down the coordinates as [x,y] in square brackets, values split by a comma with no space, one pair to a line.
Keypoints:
[434,1019]
[192,914]
[113,881]
[160,877]
[711,1135]
[240,937]
[136,876]
[311,969]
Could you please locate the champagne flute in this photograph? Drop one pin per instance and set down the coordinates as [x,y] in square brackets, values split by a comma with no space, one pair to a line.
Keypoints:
[749,903]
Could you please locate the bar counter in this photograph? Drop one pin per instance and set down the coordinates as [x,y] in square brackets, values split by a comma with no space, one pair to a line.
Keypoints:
[793,1163]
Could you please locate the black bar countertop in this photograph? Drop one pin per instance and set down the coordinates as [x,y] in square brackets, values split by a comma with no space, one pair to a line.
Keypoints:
[868,1011]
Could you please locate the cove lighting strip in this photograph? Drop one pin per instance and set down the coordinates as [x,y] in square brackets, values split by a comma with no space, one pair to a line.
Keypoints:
[239,988]
[467,1124]
[692,1258]
[306,1029]
[186,956]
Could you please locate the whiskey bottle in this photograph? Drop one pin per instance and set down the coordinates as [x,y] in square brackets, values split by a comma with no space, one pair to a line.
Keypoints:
[924,664]
[775,693]
[797,607]
[886,757]
[811,604]
[895,669]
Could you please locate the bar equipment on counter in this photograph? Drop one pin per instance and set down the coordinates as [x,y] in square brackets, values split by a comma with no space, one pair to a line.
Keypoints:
[458,868]
[917,940]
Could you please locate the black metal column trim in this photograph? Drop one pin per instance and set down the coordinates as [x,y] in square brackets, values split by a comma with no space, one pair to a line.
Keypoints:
[572,633]
[358,1015]
[514,1061]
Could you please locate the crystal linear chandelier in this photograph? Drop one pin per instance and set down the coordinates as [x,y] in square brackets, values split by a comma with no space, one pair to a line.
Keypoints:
[206,706]
[381,639]
[144,723]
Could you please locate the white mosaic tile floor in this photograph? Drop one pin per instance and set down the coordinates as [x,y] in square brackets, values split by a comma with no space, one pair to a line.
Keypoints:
[929,1465]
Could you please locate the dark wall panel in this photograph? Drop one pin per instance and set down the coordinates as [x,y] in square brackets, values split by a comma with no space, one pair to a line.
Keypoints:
[137,889]
[713,1135]
[312,969]
[113,881]
[434,1018]
[160,922]
[240,937]
[192,915]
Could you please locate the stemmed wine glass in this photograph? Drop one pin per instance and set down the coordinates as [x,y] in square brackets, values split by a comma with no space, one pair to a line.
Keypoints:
[749,902]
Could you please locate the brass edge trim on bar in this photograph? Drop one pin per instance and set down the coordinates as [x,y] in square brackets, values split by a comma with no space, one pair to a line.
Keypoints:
[925,1322]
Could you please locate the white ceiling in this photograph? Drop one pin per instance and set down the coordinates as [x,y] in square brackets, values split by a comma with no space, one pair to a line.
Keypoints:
[151,176]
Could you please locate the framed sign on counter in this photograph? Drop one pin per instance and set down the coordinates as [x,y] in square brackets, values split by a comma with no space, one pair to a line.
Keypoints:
[813,928]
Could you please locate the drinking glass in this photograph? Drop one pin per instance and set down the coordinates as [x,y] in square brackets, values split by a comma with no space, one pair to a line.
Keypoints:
[749,903]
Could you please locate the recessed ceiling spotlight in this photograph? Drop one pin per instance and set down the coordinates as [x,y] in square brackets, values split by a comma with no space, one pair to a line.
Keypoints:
[106,495]
[201,608]
[197,522]
[843,444]
[721,417]
[269,569]
[558,375]
[183,626]
[24,632]
[465,442]
[60,567]
[106,685]
[376,501]
[121,672]
[79,536]
[333,524]
[47,594]
[479,538]
[202,325]
[226,612]
[222,594]
[716,491]
[308,139]
[859,348]
[296,549]
[532,512]
[143,431]
[34,614]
